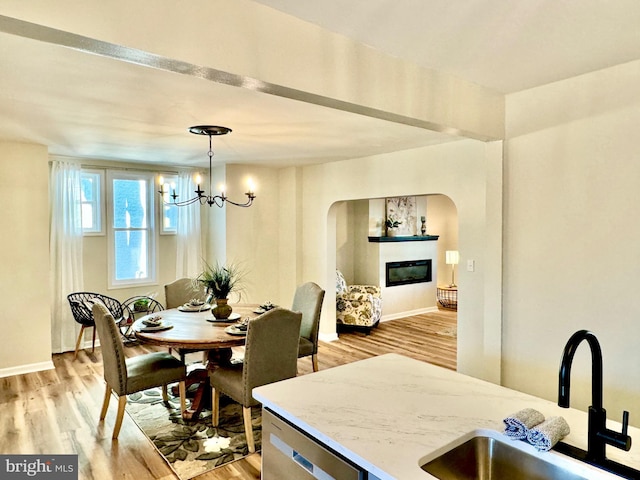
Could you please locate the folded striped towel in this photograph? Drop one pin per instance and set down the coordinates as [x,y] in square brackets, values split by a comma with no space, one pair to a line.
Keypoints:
[518,424]
[548,433]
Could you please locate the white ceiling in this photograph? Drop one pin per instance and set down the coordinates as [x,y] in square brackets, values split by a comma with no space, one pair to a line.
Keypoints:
[503,45]
[98,107]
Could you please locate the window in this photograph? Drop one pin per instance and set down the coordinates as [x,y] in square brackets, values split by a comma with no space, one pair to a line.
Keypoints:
[132,236]
[168,212]
[91,187]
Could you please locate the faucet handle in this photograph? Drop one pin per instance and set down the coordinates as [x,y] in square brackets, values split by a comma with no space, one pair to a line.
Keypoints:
[625,422]
[622,440]
[618,439]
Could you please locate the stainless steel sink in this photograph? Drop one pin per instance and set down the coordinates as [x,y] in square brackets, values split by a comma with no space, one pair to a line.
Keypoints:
[485,458]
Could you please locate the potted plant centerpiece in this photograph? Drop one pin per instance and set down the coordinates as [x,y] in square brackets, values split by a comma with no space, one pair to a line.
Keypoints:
[220,281]
[392,226]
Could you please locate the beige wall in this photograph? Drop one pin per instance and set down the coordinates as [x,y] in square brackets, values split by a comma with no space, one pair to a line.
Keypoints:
[24,256]
[468,172]
[299,211]
[253,234]
[572,236]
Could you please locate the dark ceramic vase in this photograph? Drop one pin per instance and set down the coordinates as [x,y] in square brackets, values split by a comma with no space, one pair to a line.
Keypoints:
[222,309]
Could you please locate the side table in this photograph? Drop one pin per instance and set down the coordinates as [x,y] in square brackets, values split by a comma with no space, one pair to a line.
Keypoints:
[447,296]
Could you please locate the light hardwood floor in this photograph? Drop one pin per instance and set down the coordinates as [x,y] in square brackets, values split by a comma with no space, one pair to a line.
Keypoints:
[56,411]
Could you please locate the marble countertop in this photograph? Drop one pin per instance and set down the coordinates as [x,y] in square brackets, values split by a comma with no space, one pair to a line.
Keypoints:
[388,412]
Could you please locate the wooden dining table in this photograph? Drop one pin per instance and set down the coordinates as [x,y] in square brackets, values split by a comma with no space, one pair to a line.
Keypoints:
[195,330]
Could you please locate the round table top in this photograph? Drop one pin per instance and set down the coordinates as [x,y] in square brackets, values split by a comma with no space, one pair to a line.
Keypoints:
[191,330]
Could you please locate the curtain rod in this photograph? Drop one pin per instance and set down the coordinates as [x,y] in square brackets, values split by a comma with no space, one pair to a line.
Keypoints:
[135,169]
[143,167]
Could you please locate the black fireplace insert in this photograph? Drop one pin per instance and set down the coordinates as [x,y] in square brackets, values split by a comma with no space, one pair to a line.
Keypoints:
[404,273]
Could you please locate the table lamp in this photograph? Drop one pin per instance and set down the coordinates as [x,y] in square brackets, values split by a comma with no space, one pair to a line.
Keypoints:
[452,257]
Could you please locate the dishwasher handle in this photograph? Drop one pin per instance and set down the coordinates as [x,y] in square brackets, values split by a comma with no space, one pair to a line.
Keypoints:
[299,459]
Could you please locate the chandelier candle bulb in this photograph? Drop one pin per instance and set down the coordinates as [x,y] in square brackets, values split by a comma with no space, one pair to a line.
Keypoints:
[251,187]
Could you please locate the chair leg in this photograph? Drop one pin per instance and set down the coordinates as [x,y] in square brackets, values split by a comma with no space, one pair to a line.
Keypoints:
[93,342]
[122,401]
[314,362]
[165,393]
[215,407]
[105,402]
[182,386]
[75,355]
[248,428]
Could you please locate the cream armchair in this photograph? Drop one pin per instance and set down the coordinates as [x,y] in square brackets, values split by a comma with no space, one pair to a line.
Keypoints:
[357,305]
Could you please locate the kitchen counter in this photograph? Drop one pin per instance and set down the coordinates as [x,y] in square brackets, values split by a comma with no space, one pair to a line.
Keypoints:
[386,413]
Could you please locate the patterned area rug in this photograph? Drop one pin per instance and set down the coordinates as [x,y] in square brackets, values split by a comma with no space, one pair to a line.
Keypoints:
[192,448]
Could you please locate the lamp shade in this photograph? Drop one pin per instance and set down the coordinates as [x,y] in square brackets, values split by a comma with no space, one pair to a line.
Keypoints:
[452,257]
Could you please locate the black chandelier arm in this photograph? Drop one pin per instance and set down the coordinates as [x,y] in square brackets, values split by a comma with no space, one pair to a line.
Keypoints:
[250,198]
[211,200]
[175,199]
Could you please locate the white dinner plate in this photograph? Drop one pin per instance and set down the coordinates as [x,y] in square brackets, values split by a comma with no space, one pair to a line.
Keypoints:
[233,330]
[232,318]
[189,308]
[157,328]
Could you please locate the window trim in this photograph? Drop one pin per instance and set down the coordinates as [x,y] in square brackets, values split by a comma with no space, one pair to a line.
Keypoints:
[152,246]
[99,203]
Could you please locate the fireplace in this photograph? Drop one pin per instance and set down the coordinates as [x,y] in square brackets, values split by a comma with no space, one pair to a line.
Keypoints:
[407,272]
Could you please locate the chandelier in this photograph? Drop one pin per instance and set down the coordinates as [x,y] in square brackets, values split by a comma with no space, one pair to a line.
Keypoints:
[218,200]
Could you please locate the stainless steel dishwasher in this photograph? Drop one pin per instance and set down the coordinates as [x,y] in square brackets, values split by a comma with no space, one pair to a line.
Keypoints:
[289,454]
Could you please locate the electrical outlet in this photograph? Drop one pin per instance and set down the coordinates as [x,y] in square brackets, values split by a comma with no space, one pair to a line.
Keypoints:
[471,265]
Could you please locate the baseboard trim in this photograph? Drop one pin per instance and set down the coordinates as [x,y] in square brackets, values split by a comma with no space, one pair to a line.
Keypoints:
[395,316]
[29,368]
[328,337]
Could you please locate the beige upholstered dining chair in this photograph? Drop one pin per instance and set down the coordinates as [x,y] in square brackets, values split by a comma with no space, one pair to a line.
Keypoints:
[180,291]
[271,355]
[308,301]
[126,376]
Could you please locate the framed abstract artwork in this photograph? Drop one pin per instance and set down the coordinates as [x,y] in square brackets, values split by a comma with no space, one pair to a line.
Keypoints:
[403,211]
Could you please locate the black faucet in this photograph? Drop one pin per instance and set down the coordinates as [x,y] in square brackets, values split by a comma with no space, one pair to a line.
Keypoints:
[598,435]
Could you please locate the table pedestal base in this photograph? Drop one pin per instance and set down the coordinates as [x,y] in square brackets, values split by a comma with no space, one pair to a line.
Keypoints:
[200,376]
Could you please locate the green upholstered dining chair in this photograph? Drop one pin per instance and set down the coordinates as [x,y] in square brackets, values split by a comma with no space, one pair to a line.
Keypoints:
[308,301]
[129,375]
[180,291]
[271,355]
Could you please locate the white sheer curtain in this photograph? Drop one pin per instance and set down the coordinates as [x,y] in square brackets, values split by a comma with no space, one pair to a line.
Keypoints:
[65,248]
[189,244]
